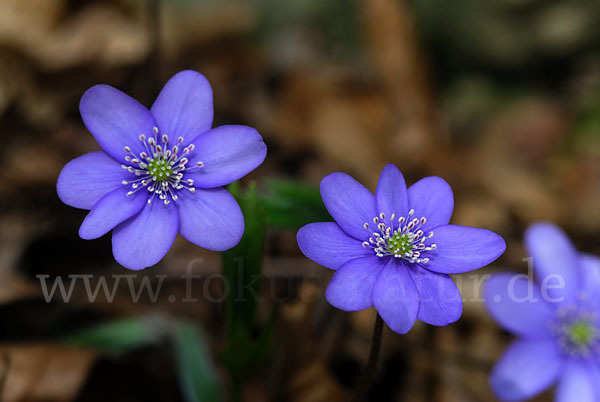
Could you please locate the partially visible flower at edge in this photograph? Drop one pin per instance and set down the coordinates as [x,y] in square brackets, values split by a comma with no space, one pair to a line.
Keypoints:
[394,250]
[161,171]
[555,318]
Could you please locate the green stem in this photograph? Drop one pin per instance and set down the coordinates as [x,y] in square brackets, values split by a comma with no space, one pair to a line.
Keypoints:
[236,389]
[371,369]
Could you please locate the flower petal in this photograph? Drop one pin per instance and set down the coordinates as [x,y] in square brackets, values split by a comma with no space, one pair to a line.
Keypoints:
[391,195]
[112,209]
[228,154]
[351,287]
[86,179]
[432,198]
[328,245]
[349,203]
[528,367]
[210,218]
[590,275]
[143,240]
[580,382]
[462,249]
[553,254]
[115,119]
[440,301]
[516,304]
[184,107]
[395,297]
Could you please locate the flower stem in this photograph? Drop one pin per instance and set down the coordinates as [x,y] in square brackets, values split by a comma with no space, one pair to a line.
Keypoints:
[370,370]
[153,15]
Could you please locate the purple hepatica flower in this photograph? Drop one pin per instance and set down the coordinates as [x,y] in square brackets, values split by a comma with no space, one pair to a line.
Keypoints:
[394,250]
[161,172]
[556,319]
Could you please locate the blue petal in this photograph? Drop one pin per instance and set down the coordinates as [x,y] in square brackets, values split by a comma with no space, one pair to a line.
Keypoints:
[391,195]
[553,254]
[143,240]
[84,180]
[184,107]
[351,287]
[326,244]
[440,302]
[112,209]
[580,382]
[349,203]
[115,119]
[528,367]
[431,198]
[517,305]
[210,218]
[395,297]
[462,249]
[590,276]
[228,154]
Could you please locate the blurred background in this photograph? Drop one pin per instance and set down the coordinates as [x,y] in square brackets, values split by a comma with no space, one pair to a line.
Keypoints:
[501,98]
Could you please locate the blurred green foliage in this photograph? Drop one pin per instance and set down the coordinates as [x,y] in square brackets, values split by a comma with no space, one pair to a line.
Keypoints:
[290,204]
[194,365]
[120,335]
[524,41]
[195,368]
[248,345]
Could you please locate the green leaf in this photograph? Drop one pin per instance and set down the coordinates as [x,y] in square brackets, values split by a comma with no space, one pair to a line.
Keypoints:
[245,352]
[289,204]
[194,364]
[242,265]
[119,336]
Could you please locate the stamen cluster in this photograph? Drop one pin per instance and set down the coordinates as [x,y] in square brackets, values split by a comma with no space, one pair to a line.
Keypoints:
[577,332]
[160,169]
[407,241]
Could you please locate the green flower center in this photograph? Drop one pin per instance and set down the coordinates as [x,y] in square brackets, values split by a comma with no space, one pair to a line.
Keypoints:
[160,169]
[402,238]
[400,242]
[581,333]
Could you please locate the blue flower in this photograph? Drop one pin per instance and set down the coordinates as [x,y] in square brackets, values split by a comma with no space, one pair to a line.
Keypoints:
[555,317]
[161,171]
[394,250]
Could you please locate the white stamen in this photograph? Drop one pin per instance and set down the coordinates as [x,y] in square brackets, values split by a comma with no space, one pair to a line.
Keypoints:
[407,241]
[160,169]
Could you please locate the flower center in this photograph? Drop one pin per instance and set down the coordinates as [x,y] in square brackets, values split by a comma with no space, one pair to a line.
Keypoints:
[406,241]
[160,169]
[578,332]
[582,333]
